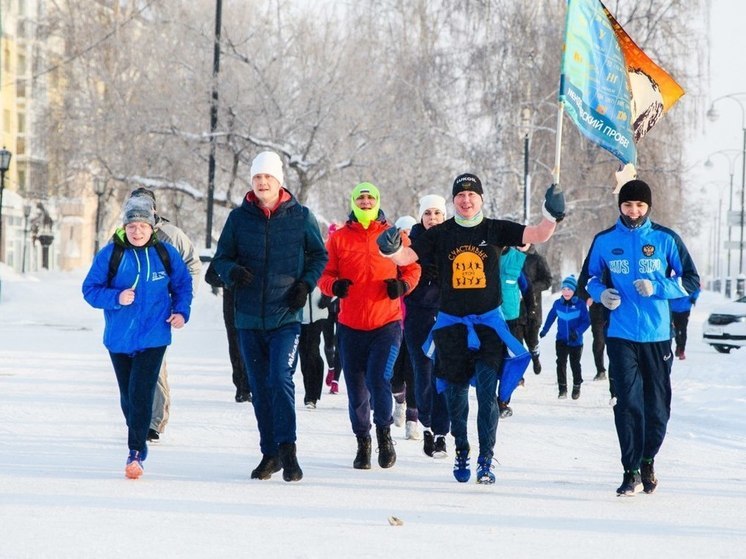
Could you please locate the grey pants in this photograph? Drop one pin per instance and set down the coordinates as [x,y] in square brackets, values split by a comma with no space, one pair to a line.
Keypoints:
[161,401]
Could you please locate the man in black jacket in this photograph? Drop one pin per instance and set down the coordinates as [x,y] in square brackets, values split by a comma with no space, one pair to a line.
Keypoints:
[537,271]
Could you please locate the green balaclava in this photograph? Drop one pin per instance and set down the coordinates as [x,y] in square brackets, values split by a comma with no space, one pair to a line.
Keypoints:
[364,217]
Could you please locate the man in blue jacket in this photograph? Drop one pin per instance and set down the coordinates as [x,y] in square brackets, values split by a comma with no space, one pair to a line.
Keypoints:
[271,254]
[629,268]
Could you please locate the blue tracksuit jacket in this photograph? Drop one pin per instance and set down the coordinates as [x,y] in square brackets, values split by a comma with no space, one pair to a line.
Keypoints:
[619,256]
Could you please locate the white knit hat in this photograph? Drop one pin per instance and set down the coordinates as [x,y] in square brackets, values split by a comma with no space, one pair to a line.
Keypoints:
[268,163]
[405,222]
[138,209]
[432,201]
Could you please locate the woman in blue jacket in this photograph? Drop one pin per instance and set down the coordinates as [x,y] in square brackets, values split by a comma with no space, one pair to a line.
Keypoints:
[144,298]
[631,268]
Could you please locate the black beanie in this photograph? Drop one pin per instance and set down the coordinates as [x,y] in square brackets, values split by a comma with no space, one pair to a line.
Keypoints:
[469,182]
[635,190]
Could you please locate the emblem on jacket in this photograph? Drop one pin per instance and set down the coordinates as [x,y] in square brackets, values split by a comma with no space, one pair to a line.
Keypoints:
[648,250]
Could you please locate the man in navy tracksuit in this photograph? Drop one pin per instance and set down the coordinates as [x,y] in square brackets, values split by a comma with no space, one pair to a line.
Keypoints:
[630,270]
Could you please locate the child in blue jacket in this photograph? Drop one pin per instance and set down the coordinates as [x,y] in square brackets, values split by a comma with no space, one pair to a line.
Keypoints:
[573,319]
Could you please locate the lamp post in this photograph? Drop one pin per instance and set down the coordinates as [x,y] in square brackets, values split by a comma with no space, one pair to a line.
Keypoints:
[5,156]
[731,155]
[26,214]
[99,187]
[713,115]
[213,123]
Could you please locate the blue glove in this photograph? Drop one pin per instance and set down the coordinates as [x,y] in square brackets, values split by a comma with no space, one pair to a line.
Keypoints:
[542,334]
[389,242]
[554,204]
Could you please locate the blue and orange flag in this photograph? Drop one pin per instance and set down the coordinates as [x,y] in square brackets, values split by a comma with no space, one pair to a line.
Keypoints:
[610,88]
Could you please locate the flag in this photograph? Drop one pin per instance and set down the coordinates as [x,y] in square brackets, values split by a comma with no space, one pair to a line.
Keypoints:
[609,87]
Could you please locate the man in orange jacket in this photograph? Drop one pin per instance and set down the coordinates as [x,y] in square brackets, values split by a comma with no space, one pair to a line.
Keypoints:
[369,287]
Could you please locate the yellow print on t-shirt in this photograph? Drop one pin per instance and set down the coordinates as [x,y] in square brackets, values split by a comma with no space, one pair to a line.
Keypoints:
[468,271]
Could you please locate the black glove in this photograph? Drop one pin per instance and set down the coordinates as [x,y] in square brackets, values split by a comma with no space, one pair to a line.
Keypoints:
[341,288]
[212,278]
[573,336]
[429,273]
[241,276]
[395,288]
[389,241]
[324,301]
[297,296]
[554,204]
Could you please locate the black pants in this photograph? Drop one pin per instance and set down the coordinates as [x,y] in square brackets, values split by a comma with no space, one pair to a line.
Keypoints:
[331,346]
[403,381]
[311,363]
[680,323]
[240,377]
[574,352]
[598,325]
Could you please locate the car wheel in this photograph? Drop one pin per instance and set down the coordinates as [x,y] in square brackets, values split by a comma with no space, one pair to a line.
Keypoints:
[722,348]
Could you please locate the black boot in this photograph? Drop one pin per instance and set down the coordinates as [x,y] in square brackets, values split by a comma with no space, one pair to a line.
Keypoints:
[362,459]
[386,452]
[268,466]
[290,469]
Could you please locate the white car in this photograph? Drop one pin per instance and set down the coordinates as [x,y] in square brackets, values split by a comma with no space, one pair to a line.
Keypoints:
[725,329]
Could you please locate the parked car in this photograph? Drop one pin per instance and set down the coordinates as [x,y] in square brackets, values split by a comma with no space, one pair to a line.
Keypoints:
[725,329]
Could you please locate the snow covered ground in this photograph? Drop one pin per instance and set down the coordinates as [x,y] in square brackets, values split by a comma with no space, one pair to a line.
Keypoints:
[63,447]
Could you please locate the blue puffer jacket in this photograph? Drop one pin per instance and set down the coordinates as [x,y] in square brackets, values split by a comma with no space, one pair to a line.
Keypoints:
[279,249]
[651,252]
[141,325]
[572,320]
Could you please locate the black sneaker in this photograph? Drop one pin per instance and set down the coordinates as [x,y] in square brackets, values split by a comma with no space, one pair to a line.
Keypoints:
[268,466]
[243,396]
[440,447]
[600,375]
[631,483]
[562,393]
[505,409]
[647,473]
[153,436]
[575,391]
[428,444]
[537,364]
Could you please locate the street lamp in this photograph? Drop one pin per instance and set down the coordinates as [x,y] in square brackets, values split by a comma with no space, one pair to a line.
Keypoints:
[99,187]
[5,156]
[26,214]
[713,115]
[731,155]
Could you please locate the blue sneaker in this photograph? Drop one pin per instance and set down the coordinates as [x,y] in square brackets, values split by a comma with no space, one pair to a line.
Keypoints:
[134,469]
[484,470]
[461,470]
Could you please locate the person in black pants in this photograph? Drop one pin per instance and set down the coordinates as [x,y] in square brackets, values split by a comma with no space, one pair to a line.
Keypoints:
[240,378]
[537,272]
[315,317]
[599,319]
[331,344]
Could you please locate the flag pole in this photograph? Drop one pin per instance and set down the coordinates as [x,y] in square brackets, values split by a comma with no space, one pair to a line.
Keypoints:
[558,148]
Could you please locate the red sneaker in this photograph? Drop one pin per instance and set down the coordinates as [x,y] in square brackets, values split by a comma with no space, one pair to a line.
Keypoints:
[329,377]
[335,388]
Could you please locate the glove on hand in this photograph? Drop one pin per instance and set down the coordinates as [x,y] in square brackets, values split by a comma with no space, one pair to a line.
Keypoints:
[429,273]
[212,278]
[644,287]
[610,298]
[395,288]
[297,296]
[341,288]
[324,301]
[573,336]
[554,204]
[542,334]
[389,242]
[241,276]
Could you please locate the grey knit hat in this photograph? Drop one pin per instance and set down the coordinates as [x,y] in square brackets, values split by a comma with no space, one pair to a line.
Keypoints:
[139,208]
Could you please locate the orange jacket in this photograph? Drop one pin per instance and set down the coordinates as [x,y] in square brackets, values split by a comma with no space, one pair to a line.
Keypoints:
[354,255]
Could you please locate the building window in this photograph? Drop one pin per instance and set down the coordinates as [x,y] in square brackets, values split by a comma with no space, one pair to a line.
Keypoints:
[20,146]
[21,123]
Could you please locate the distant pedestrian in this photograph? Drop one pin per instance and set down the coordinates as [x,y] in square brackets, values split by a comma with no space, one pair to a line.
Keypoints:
[629,267]
[315,317]
[571,314]
[143,299]
[271,254]
[539,276]
[681,308]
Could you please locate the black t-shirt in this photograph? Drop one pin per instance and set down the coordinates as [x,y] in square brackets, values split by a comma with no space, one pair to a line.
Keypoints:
[468,261]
